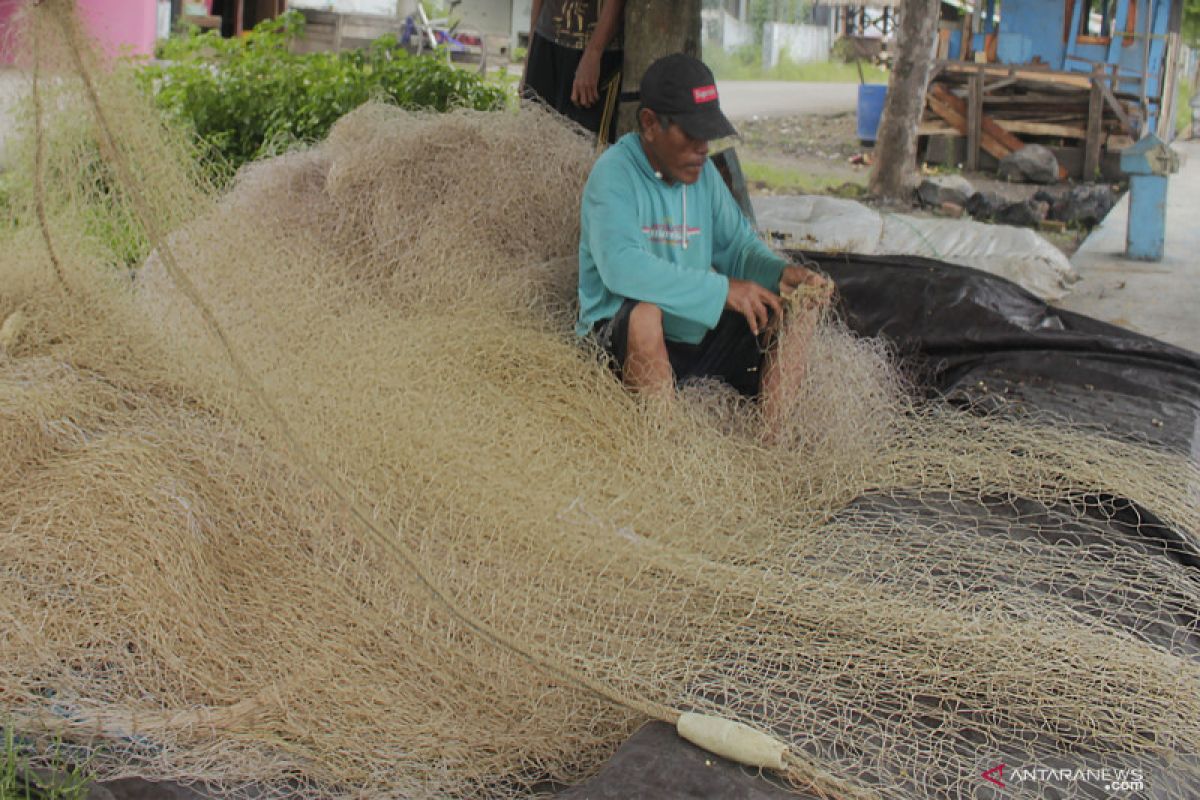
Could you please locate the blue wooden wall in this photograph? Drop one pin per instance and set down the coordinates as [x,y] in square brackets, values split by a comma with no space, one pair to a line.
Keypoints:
[1030,28]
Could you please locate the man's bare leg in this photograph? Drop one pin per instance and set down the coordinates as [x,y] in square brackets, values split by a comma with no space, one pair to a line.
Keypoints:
[647,367]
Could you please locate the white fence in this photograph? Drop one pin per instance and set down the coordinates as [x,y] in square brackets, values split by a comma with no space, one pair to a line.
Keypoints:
[725,30]
[801,43]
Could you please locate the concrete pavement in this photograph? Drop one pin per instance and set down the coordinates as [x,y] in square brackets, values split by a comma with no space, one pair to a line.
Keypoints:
[1160,299]
[746,99]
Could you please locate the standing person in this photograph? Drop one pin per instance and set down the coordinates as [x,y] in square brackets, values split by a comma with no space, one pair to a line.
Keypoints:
[574,61]
[673,281]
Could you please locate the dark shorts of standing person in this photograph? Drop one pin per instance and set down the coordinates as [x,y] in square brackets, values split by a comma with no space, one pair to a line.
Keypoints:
[729,352]
[550,74]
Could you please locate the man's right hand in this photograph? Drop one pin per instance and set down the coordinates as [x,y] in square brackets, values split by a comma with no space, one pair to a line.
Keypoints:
[754,303]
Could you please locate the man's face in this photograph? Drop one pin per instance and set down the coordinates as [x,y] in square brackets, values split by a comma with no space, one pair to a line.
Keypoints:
[672,152]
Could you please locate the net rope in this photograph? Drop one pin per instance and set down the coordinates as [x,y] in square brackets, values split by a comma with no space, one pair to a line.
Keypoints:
[322,498]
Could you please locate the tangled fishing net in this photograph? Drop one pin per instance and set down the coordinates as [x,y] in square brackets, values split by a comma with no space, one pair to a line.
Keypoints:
[320,495]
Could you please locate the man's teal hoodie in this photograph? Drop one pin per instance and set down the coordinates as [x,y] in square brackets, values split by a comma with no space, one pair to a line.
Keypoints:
[669,244]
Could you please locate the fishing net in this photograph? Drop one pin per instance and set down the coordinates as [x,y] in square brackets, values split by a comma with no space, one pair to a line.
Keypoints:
[307,489]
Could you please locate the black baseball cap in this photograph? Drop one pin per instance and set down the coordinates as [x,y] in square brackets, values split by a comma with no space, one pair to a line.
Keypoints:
[682,88]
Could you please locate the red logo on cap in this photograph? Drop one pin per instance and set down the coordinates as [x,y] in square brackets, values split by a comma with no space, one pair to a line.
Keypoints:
[704,94]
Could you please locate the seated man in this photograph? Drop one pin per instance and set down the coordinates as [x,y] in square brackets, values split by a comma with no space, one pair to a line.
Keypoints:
[673,280]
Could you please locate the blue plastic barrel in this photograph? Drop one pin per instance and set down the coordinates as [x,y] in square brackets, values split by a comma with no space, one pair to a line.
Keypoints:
[870,109]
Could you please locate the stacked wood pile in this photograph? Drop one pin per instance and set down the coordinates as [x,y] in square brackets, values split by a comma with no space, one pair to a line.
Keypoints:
[999,109]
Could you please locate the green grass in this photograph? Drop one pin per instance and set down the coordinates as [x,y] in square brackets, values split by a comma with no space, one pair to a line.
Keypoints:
[1183,111]
[745,64]
[795,181]
[68,783]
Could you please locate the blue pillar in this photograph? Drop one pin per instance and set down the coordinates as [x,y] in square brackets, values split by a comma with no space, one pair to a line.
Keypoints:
[1147,217]
[1148,163]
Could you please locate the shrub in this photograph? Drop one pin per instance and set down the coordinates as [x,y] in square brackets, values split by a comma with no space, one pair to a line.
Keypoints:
[251,97]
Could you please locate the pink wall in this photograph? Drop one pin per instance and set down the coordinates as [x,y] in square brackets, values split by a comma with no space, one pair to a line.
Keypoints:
[7,9]
[121,26]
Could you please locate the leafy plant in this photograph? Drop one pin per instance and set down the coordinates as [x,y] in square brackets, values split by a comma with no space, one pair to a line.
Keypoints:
[19,782]
[1183,108]
[250,97]
[1191,22]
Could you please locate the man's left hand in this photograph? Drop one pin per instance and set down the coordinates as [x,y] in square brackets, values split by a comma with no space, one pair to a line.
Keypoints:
[795,276]
[584,92]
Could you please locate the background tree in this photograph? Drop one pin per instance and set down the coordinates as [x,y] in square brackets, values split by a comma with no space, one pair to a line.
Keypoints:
[895,174]
[654,28]
[1191,35]
[1191,23]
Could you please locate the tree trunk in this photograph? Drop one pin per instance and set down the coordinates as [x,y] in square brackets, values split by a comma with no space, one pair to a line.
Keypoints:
[895,174]
[653,29]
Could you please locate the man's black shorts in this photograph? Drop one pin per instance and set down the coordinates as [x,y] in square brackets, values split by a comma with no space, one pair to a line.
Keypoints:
[730,352]
[550,75]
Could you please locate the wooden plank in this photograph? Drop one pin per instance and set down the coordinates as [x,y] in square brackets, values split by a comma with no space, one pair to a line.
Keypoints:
[1042,129]
[1119,110]
[987,124]
[955,117]
[1166,114]
[1041,101]
[1001,84]
[994,140]
[1145,63]
[1024,73]
[974,120]
[939,127]
[1091,147]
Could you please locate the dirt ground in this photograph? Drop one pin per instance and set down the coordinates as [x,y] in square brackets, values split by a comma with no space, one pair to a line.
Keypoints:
[818,145]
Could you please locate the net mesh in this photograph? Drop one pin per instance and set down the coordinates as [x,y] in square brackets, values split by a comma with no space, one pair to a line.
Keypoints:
[306,485]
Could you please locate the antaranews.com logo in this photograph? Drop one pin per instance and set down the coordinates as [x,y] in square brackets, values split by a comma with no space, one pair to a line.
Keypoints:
[1109,779]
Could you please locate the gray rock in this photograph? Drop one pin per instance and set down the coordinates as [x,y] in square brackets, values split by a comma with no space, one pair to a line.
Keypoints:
[1026,213]
[1085,205]
[1031,164]
[1041,195]
[945,189]
[984,206]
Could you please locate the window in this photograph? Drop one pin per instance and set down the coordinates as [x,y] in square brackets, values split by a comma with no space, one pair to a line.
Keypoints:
[1097,18]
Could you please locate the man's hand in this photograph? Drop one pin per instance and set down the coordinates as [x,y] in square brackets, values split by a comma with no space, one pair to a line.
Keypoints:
[795,276]
[754,303]
[585,92]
